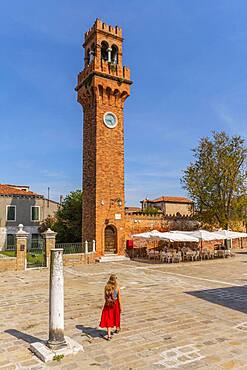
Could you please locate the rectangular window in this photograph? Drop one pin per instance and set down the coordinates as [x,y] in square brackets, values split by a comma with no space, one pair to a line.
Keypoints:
[35,213]
[11,213]
[35,236]
[10,241]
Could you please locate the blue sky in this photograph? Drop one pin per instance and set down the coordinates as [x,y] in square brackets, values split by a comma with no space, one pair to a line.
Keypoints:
[188,64]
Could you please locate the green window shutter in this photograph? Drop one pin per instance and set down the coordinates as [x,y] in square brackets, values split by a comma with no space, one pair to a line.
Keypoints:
[11,213]
[35,213]
[10,240]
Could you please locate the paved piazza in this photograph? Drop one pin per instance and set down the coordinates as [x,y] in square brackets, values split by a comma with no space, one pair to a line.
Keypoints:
[186,316]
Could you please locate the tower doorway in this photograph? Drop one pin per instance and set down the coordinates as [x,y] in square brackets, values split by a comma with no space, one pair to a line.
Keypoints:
[110,239]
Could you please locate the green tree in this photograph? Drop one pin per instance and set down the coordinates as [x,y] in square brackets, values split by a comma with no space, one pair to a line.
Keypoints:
[68,219]
[48,223]
[151,210]
[216,179]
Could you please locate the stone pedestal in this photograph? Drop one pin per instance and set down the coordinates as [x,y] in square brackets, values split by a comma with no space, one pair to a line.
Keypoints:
[57,344]
[50,243]
[21,248]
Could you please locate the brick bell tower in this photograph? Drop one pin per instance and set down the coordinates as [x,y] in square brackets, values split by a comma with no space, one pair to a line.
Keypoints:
[102,88]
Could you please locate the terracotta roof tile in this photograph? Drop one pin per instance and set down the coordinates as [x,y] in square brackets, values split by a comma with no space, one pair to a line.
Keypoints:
[12,190]
[169,199]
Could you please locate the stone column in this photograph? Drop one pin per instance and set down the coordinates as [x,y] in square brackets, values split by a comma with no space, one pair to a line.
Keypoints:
[56,301]
[94,246]
[21,248]
[86,247]
[91,56]
[50,243]
[109,55]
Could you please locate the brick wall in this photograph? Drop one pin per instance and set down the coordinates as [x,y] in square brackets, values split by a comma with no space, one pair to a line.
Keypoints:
[78,259]
[8,264]
[138,223]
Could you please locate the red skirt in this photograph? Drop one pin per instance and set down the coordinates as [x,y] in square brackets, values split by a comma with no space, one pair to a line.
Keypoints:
[110,316]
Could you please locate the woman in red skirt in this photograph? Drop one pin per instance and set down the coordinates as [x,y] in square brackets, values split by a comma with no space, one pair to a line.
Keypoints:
[110,316]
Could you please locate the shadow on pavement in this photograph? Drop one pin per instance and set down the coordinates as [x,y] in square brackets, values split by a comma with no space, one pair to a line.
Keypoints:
[234,297]
[20,335]
[147,261]
[91,332]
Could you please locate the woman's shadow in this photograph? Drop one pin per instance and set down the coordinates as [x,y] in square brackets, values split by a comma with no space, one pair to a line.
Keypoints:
[89,332]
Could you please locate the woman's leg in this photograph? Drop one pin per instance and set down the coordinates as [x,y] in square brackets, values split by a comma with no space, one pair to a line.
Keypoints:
[109,332]
[118,316]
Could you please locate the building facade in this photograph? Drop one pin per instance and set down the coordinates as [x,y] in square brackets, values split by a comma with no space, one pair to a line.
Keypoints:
[103,86]
[19,205]
[170,205]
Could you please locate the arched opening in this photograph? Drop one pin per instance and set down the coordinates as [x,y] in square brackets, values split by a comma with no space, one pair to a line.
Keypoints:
[110,239]
[116,95]
[101,90]
[108,94]
[92,53]
[87,59]
[114,54]
[104,50]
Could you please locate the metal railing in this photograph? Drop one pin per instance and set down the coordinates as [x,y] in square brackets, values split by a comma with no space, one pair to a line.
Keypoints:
[36,253]
[11,247]
[37,244]
[71,248]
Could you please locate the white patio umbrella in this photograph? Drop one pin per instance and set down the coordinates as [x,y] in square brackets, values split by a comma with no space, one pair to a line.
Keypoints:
[204,235]
[231,234]
[146,235]
[168,236]
[176,237]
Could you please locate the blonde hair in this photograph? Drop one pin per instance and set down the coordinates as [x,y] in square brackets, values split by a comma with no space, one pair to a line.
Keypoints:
[112,281]
[109,288]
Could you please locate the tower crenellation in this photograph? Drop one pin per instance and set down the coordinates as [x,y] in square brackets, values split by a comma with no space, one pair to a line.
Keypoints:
[103,54]
[104,28]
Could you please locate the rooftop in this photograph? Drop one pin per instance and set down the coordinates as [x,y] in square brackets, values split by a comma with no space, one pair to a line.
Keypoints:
[6,189]
[168,199]
[133,209]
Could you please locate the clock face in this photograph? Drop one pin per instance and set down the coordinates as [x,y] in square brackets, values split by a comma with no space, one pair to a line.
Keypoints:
[110,120]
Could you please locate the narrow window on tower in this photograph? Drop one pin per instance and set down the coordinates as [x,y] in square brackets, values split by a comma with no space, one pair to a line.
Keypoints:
[92,53]
[87,57]
[104,50]
[114,54]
